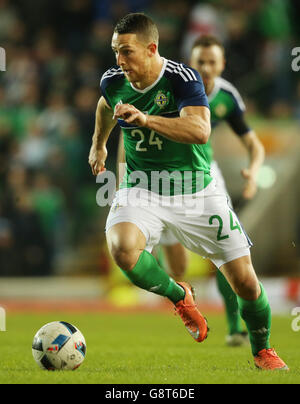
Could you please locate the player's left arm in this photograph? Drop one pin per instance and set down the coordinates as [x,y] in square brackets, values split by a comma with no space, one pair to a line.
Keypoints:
[191,127]
[256,153]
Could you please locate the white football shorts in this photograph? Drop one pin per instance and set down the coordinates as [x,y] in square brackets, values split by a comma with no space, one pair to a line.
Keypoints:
[167,237]
[203,222]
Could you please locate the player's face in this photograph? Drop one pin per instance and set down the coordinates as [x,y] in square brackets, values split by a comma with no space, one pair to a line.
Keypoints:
[209,61]
[132,55]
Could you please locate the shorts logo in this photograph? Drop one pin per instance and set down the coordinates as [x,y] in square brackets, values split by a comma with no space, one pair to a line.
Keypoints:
[161,99]
[115,208]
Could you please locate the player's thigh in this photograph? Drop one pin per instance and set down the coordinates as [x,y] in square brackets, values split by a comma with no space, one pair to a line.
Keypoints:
[132,228]
[214,232]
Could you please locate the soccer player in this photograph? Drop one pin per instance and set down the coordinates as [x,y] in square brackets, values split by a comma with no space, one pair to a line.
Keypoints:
[208,58]
[163,110]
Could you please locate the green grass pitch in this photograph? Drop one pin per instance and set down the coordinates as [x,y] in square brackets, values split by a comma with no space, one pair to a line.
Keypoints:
[144,348]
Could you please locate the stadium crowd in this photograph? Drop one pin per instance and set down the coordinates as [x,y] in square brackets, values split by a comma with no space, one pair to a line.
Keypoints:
[56,53]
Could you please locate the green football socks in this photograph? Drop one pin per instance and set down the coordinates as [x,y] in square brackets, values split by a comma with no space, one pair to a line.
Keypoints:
[257,316]
[148,275]
[231,305]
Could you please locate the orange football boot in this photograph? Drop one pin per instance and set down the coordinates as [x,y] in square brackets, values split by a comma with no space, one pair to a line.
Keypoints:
[193,320]
[267,359]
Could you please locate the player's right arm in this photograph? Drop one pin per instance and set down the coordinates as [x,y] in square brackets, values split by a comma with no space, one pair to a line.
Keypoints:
[104,124]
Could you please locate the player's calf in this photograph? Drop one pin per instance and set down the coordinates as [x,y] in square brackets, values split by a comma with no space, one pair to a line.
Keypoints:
[255,310]
[242,278]
[177,259]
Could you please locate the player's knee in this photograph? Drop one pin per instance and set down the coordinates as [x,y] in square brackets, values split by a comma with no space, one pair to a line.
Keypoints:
[248,289]
[124,253]
[126,260]
[125,245]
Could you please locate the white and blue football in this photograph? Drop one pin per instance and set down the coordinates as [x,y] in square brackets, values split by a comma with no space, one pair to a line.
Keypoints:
[59,346]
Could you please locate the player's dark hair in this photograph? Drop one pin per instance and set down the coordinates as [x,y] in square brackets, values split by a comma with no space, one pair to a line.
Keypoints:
[206,41]
[138,23]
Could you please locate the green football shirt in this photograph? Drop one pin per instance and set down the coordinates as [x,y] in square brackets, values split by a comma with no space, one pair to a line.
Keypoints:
[150,157]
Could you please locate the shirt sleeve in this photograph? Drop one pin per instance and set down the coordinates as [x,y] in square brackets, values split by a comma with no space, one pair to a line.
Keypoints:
[238,124]
[107,80]
[103,86]
[188,88]
[236,119]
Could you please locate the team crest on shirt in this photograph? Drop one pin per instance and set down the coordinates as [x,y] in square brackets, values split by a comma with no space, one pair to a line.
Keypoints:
[161,99]
[221,110]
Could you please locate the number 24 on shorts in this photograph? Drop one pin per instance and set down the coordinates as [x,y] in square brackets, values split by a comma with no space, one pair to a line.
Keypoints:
[233,226]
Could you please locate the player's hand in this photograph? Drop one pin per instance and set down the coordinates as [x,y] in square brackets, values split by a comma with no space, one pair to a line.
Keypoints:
[250,188]
[130,114]
[97,160]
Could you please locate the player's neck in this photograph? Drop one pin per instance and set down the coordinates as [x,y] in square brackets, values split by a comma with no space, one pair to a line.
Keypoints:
[152,73]
[209,87]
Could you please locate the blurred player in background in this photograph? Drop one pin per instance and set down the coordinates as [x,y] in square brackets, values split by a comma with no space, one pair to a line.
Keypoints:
[226,104]
[163,110]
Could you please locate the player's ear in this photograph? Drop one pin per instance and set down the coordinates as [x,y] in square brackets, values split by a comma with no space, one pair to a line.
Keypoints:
[152,48]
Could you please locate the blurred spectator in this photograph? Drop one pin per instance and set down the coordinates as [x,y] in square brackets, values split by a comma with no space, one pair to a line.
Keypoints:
[204,19]
[275,24]
[108,10]
[27,111]
[85,101]
[49,204]
[23,245]
[15,185]
[87,70]
[35,147]
[71,147]
[100,36]
[34,252]
[7,145]
[170,19]
[8,20]
[56,114]
[21,71]
[8,262]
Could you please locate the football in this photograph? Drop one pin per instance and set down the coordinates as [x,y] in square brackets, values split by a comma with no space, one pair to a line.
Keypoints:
[59,346]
